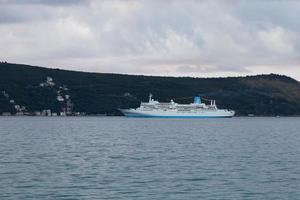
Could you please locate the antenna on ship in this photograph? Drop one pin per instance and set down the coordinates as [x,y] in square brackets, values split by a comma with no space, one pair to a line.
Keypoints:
[150,97]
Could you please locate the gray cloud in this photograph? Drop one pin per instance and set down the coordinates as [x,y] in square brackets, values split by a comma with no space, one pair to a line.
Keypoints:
[17,14]
[41,2]
[182,38]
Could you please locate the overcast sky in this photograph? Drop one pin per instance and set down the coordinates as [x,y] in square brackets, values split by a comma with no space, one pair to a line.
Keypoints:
[198,38]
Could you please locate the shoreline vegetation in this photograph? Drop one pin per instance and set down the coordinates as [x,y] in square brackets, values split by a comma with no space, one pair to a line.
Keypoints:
[36,91]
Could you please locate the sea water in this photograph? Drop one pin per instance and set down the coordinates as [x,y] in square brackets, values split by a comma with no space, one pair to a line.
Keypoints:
[121,158]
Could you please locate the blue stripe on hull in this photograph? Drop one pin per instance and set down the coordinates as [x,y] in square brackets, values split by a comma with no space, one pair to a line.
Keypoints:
[144,116]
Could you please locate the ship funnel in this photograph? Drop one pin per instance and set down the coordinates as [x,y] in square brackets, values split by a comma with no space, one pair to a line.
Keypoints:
[197,100]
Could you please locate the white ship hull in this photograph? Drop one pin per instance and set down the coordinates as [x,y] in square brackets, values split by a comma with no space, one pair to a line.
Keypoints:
[177,114]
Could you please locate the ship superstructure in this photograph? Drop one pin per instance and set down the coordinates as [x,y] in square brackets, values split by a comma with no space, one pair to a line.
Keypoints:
[197,109]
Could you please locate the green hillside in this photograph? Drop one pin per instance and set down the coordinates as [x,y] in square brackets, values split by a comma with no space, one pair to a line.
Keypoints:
[95,93]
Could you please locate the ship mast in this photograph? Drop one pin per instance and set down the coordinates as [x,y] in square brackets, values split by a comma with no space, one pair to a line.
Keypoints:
[150,97]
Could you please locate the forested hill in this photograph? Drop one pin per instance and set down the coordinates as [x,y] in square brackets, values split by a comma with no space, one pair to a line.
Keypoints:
[94,93]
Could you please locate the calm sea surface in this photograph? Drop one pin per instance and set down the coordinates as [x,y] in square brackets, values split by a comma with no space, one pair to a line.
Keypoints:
[120,158]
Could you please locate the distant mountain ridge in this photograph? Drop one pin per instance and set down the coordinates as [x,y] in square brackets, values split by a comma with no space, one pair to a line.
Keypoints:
[96,93]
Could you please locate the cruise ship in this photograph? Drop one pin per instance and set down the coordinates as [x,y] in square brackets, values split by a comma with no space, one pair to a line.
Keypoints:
[197,109]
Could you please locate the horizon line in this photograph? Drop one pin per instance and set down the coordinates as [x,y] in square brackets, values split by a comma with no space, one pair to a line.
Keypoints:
[148,75]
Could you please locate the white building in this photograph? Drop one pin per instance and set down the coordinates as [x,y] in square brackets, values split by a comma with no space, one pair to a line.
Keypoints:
[60,98]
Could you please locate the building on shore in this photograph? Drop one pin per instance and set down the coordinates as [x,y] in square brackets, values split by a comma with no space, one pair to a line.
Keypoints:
[20,113]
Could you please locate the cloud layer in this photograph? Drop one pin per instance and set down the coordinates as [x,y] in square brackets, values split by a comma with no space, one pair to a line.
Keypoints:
[181,38]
